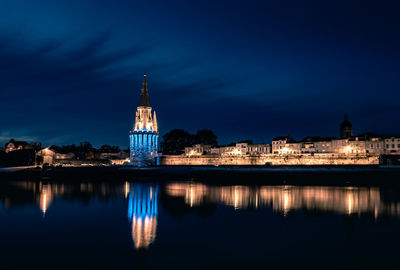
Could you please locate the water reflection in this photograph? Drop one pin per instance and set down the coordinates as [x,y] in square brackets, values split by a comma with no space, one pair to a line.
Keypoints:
[104,224]
[45,198]
[143,204]
[283,199]
[142,213]
[141,200]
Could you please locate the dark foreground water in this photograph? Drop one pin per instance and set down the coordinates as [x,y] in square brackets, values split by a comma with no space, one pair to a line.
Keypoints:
[191,225]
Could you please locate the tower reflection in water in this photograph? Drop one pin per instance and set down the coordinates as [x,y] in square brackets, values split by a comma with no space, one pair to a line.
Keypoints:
[142,213]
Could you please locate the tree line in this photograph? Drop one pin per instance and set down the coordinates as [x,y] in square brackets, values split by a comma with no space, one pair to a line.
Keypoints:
[175,141]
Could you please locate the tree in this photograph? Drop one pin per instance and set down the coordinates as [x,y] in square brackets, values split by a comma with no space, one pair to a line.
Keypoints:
[246,141]
[109,149]
[86,146]
[205,136]
[175,141]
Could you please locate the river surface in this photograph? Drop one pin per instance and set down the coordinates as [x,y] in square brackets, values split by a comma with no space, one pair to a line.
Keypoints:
[192,225]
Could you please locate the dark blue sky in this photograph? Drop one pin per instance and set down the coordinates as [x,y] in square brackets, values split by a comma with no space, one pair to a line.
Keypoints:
[71,70]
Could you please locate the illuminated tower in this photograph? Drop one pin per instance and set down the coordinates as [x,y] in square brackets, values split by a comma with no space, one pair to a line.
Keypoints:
[144,135]
[142,212]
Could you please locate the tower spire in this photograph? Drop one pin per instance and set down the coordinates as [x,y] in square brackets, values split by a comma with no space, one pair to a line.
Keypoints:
[144,94]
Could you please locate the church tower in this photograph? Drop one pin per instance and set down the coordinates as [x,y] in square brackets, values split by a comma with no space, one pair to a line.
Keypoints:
[346,128]
[143,137]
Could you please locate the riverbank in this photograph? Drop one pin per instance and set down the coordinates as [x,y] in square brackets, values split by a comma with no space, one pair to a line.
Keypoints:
[317,159]
[320,175]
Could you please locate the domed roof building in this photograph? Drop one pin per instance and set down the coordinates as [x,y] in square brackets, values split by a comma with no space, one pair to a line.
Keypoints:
[346,128]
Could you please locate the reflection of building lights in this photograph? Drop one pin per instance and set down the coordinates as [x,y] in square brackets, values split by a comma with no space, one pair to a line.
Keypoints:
[126,189]
[236,198]
[285,202]
[191,196]
[256,200]
[344,200]
[350,205]
[45,198]
[142,212]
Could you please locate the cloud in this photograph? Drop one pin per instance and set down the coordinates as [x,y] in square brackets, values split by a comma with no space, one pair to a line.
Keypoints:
[52,69]
[6,137]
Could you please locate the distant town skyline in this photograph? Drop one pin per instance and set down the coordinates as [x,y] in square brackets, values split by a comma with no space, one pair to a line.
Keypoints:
[71,71]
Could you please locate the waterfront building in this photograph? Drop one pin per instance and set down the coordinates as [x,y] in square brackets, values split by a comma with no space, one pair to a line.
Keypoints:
[237,149]
[46,156]
[144,135]
[66,156]
[13,145]
[118,155]
[49,156]
[286,146]
[349,146]
[259,149]
[279,144]
[365,149]
[392,145]
[198,149]
[323,146]
[375,146]
[215,150]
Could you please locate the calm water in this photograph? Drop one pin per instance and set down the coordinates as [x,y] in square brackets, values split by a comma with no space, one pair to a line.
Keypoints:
[190,225]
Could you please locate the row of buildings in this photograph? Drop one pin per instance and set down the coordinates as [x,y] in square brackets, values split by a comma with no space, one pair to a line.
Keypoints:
[33,153]
[14,145]
[49,156]
[347,144]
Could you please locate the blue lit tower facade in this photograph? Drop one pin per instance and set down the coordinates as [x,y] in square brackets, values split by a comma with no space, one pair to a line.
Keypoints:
[144,135]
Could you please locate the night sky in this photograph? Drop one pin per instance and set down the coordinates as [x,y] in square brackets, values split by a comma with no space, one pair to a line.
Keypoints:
[71,70]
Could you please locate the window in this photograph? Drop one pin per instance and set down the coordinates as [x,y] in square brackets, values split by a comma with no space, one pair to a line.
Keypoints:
[387,146]
[392,145]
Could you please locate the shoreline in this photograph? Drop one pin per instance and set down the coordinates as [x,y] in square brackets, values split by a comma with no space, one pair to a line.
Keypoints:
[279,175]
